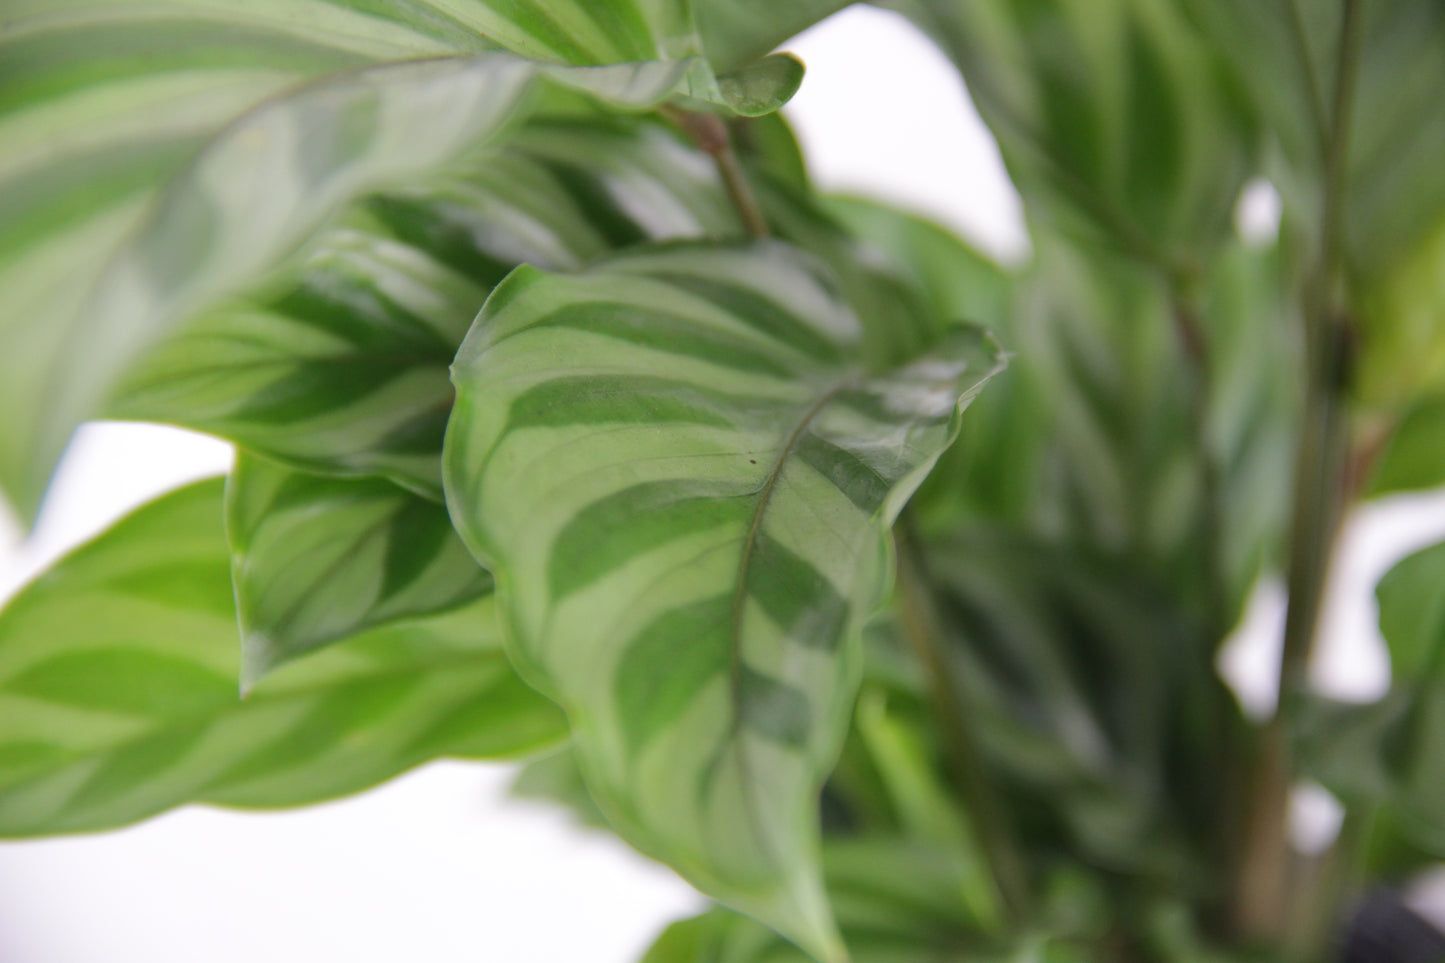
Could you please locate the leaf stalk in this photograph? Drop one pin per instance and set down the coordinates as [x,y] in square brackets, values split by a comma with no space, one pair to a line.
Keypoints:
[1321,474]
[994,834]
[710,133]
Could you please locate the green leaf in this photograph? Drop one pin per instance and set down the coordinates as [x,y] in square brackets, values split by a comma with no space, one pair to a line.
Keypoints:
[1087,683]
[1286,55]
[736,32]
[318,559]
[991,472]
[1117,124]
[1412,616]
[682,478]
[118,696]
[340,365]
[557,778]
[1412,619]
[123,274]
[897,902]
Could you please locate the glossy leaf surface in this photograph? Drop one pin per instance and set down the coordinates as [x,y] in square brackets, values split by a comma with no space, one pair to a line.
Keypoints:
[317,559]
[130,264]
[682,479]
[118,694]
[340,365]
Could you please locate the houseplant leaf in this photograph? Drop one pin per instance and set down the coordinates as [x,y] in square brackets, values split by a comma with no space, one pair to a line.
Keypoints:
[636,453]
[1287,55]
[992,470]
[897,902]
[1117,124]
[256,192]
[738,32]
[118,697]
[339,365]
[316,559]
[1412,620]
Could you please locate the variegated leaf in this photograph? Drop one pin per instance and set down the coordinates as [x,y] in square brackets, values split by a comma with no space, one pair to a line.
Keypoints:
[317,559]
[897,902]
[118,689]
[340,366]
[682,477]
[257,191]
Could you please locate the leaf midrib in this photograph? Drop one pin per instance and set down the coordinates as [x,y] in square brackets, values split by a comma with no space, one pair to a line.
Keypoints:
[734,736]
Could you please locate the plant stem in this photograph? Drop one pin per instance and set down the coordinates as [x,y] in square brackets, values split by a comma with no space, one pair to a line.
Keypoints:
[710,133]
[1320,476]
[992,829]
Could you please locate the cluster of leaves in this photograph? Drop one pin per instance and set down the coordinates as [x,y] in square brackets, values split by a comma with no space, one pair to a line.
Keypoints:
[541,449]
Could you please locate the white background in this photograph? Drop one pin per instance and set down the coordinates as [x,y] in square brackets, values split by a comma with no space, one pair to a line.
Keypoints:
[439,866]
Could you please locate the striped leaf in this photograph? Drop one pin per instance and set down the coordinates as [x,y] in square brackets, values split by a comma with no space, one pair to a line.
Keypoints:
[340,366]
[317,559]
[897,902]
[128,225]
[1117,123]
[118,696]
[683,479]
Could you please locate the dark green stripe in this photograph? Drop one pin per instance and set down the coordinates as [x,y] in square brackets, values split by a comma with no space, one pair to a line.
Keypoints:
[539,25]
[67,191]
[349,708]
[505,716]
[597,204]
[26,759]
[759,312]
[421,434]
[624,27]
[1155,139]
[354,310]
[863,484]
[319,386]
[419,532]
[795,595]
[625,399]
[126,681]
[422,18]
[66,59]
[664,332]
[668,664]
[189,584]
[135,768]
[451,233]
[773,709]
[607,534]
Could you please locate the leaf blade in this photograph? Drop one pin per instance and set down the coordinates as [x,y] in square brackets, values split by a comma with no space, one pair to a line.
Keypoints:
[117,694]
[765,493]
[317,559]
